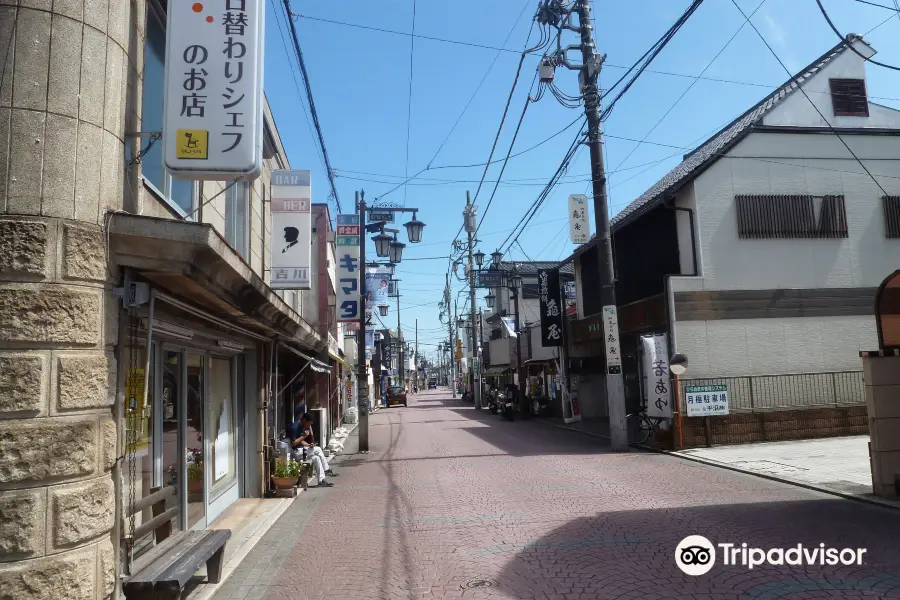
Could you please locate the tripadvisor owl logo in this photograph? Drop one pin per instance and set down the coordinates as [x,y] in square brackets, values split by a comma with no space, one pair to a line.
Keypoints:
[696,555]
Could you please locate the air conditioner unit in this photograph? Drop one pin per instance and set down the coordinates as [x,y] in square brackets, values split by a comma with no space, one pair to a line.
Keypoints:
[169,329]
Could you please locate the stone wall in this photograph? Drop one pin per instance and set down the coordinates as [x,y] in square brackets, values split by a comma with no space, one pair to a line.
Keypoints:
[67,96]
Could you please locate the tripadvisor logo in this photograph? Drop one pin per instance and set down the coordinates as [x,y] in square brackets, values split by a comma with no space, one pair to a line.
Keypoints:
[696,555]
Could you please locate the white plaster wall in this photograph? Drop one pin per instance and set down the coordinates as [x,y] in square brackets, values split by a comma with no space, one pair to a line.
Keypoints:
[737,347]
[499,351]
[768,163]
[798,110]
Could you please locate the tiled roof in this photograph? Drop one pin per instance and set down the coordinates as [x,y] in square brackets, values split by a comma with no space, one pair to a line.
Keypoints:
[695,161]
[527,268]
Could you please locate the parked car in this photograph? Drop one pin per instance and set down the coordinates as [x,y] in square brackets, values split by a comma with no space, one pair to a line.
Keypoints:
[432,385]
[396,396]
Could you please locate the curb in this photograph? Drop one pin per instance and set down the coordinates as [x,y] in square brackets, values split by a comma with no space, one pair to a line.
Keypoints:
[721,465]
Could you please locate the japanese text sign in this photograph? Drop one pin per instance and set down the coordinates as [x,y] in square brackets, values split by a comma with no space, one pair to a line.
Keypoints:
[611,340]
[579,229]
[706,400]
[348,267]
[551,307]
[655,352]
[290,247]
[490,279]
[213,122]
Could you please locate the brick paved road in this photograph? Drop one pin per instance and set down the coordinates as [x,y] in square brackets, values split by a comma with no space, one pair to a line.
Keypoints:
[448,497]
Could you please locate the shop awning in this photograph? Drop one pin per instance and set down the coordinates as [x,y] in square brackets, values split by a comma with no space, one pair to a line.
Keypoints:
[539,360]
[340,360]
[495,371]
[316,365]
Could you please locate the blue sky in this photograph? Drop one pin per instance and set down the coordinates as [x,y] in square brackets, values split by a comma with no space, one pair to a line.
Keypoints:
[361,83]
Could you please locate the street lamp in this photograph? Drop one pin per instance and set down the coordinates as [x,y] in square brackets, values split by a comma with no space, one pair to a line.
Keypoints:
[460,323]
[382,244]
[479,258]
[414,230]
[490,300]
[496,257]
[396,250]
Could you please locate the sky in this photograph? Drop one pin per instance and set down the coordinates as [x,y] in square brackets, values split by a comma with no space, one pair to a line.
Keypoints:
[386,103]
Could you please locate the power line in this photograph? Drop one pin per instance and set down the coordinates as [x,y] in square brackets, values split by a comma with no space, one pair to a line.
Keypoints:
[813,104]
[878,5]
[412,48]
[312,104]
[848,42]
[689,88]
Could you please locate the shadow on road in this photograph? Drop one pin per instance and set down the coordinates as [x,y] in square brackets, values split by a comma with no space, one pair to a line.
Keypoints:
[630,553]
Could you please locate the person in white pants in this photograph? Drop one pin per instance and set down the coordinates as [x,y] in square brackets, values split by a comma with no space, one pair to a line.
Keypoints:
[305,445]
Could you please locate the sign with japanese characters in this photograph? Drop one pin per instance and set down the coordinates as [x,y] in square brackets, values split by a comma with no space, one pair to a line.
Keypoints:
[579,229]
[290,248]
[657,392]
[213,122]
[490,279]
[611,340]
[348,267]
[571,294]
[706,400]
[551,307]
[376,216]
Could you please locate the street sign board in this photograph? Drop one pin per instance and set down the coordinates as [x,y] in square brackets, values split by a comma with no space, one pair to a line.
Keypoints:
[490,279]
[579,229]
[376,216]
[655,367]
[706,400]
[348,267]
[611,339]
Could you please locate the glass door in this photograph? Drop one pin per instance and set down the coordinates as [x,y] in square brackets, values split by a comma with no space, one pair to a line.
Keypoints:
[171,392]
[194,441]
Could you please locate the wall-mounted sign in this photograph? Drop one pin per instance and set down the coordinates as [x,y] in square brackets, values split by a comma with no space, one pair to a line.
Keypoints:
[579,229]
[551,307]
[290,248]
[213,122]
[611,340]
[655,367]
[570,291]
[706,400]
[490,279]
[348,267]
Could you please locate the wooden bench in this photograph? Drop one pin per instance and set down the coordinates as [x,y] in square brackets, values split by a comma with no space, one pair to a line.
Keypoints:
[163,571]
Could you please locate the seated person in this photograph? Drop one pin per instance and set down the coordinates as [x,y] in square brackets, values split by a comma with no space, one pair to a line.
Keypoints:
[303,443]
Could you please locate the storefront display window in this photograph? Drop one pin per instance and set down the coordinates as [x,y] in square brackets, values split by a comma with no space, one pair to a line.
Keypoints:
[222,422]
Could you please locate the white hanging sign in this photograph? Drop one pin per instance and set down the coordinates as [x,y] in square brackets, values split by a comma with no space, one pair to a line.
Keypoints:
[611,340]
[213,117]
[290,247]
[656,376]
[579,229]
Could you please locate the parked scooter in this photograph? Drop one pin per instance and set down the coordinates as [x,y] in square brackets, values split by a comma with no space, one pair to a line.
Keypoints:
[495,401]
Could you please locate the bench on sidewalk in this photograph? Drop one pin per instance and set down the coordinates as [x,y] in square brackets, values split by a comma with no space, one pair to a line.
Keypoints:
[165,569]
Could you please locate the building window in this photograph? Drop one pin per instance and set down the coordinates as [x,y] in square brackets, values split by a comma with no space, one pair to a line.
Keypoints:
[891,206]
[848,96]
[178,193]
[766,217]
[237,217]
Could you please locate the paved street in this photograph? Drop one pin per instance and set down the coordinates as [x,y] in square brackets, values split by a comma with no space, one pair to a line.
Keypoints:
[454,504]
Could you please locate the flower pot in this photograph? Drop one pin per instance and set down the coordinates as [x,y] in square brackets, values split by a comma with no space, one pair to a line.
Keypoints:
[284,483]
[195,486]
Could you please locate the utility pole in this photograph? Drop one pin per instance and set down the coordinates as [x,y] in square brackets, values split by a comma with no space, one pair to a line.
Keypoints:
[615,386]
[362,371]
[451,323]
[520,392]
[470,231]
[400,368]
[416,355]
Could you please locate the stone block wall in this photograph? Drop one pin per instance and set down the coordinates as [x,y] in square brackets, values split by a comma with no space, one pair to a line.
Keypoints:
[69,89]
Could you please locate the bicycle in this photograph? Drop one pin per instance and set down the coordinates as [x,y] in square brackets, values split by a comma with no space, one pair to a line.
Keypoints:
[640,426]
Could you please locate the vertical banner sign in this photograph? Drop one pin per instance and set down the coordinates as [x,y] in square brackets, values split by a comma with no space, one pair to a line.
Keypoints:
[213,121]
[551,311]
[579,230]
[611,340]
[290,248]
[656,376]
[377,286]
[347,245]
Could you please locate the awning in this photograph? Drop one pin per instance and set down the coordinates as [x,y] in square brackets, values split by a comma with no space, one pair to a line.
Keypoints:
[539,360]
[316,365]
[494,371]
[340,360]
[510,324]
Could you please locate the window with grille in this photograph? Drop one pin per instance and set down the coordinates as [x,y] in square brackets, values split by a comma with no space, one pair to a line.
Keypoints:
[848,96]
[891,206]
[768,217]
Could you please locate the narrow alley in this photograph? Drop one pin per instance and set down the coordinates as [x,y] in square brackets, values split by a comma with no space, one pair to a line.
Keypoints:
[452,503]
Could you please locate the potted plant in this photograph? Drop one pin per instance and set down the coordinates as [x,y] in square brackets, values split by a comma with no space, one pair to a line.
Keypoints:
[195,470]
[286,473]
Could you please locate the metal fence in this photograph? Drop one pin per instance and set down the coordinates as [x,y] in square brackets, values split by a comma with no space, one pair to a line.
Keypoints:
[763,393]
